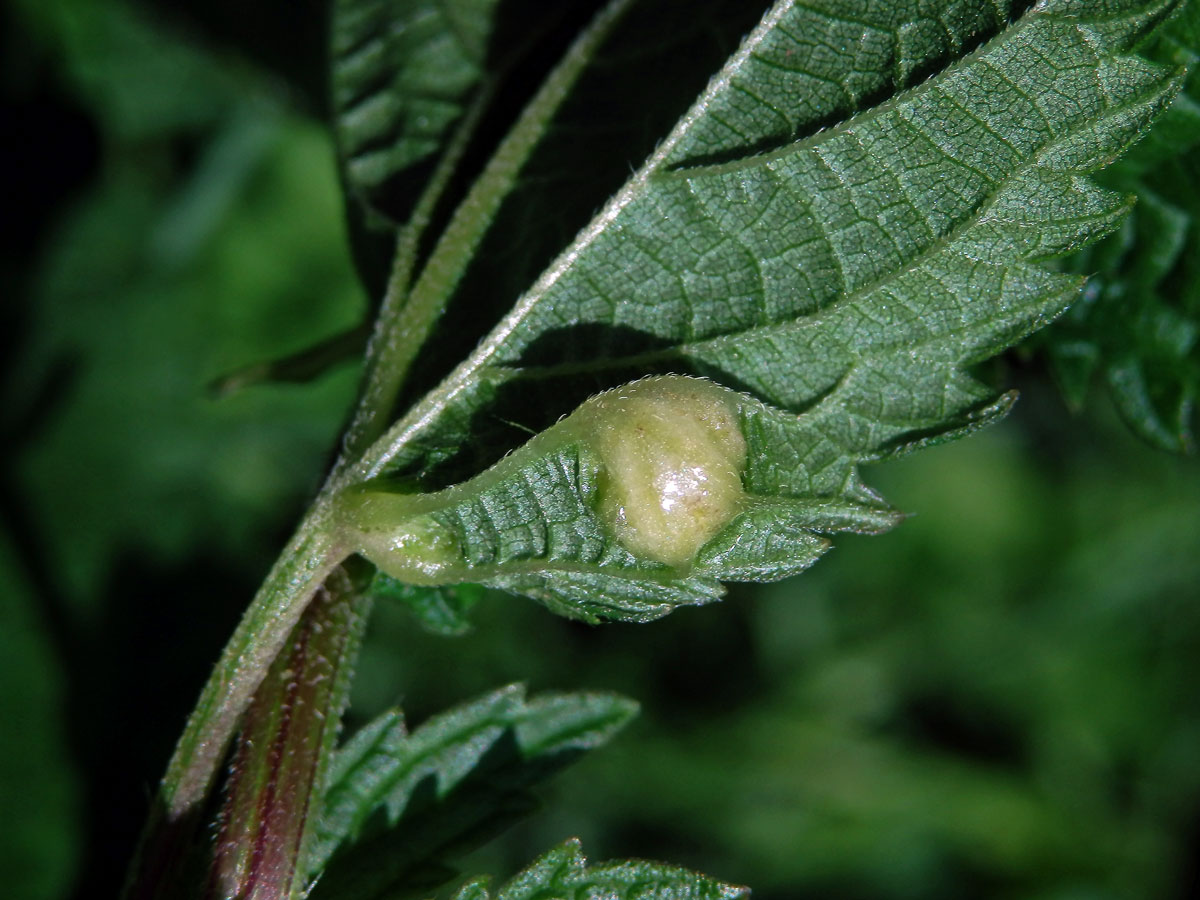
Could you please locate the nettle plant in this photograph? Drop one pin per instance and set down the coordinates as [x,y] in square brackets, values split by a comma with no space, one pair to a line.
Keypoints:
[857,209]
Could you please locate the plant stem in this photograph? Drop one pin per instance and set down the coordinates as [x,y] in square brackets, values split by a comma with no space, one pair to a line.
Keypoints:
[165,858]
[406,322]
[298,574]
[316,551]
[381,380]
[274,790]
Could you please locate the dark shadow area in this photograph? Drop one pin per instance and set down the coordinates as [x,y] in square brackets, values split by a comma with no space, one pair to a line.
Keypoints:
[1188,885]
[124,719]
[803,130]
[174,857]
[959,727]
[288,37]
[558,372]
[687,669]
[652,68]
[409,859]
[50,154]
[591,345]
[525,407]
[528,41]
[1018,8]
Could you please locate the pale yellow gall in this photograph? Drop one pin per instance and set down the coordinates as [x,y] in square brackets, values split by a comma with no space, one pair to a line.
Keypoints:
[672,456]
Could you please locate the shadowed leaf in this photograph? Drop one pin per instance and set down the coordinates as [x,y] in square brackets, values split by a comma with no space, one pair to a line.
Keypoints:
[447,784]
[563,873]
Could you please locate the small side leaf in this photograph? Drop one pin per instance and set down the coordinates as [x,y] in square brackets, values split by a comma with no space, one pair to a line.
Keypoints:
[641,501]
[385,772]
[563,873]
[304,365]
[442,610]
[411,81]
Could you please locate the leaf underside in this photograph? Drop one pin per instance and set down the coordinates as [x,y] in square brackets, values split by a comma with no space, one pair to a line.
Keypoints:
[410,79]
[856,211]
[564,874]
[402,71]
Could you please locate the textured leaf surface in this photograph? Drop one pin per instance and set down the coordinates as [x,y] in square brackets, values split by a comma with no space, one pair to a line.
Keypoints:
[844,278]
[384,767]
[403,74]
[1137,326]
[563,873]
[442,610]
[541,522]
[408,80]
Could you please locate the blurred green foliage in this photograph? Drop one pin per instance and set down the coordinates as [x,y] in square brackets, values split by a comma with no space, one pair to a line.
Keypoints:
[1136,328]
[203,231]
[166,274]
[40,826]
[996,700]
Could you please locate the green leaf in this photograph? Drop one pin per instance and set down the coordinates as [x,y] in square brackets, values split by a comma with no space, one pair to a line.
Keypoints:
[445,780]
[404,73]
[296,368]
[564,519]
[614,117]
[844,278]
[411,307]
[1138,326]
[441,610]
[1177,44]
[564,873]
